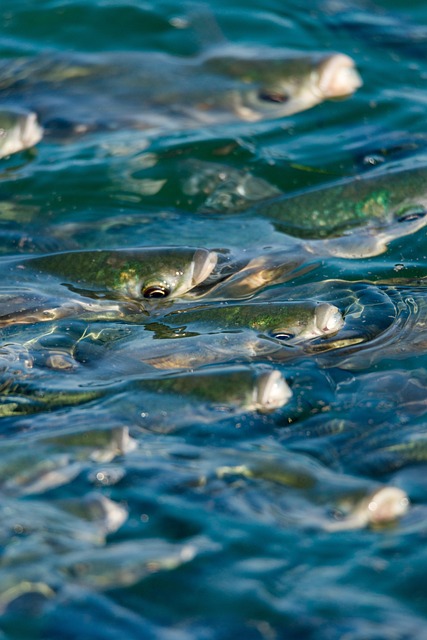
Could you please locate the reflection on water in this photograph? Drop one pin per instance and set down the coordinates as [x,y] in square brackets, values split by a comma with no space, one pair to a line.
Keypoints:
[212,304]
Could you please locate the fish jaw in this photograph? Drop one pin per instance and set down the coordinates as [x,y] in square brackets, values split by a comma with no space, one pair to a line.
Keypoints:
[381,508]
[386,505]
[338,77]
[23,134]
[31,131]
[328,319]
[272,392]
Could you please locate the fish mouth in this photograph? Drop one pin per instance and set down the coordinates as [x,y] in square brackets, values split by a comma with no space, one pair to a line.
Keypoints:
[338,77]
[272,391]
[328,319]
[204,262]
[386,505]
[31,131]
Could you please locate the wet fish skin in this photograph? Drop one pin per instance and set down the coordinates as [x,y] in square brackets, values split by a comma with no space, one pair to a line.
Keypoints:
[245,388]
[22,399]
[19,130]
[336,209]
[291,321]
[198,351]
[359,504]
[167,92]
[138,274]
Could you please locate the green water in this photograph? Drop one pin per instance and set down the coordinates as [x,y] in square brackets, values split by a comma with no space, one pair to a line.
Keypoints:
[144,492]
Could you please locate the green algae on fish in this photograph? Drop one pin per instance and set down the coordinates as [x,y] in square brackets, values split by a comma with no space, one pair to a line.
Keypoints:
[137,274]
[333,210]
[288,321]
[21,399]
[281,265]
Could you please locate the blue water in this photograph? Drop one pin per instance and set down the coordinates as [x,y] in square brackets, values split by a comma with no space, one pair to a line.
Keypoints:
[130,511]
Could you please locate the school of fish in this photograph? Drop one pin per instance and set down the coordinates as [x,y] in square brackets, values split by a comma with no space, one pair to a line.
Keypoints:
[178,338]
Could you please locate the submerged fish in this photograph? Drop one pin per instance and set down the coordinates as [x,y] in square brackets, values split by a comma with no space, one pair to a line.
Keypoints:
[19,130]
[293,322]
[200,350]
[380,202]
[222,334]
[380,321]
[221,187]
[136,274]
[278,266]
[154,90]
[243,388]
[356,504]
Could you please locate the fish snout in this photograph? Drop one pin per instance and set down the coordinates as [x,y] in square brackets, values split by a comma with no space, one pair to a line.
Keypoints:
[31,131]
[328,319]
[272,391]
[386,505]
[338,76]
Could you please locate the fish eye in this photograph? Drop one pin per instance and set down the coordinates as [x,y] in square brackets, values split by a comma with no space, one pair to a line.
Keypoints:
[412,214]
[155,291]
[282,335]
[272,96]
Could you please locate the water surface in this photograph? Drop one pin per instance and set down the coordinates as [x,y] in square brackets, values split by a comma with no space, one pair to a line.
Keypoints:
[130,506]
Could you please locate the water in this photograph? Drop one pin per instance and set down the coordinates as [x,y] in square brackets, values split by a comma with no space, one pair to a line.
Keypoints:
[146,490]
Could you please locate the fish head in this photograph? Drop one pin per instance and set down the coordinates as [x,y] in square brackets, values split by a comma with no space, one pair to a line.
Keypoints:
[307,321]
[155,274]
[18,130]
[273,87]
[337,77]
[271,391]
[386,505]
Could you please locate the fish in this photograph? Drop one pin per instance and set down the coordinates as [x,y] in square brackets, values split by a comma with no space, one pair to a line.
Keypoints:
[217,334]
[200,350]
[19,130]
[153,90]
[145,274]
[356,503]
[281,265]
[46,463]
[374,201]
[244,388]
[123,283]
[381,321]
[291,322]
[222,188]
[24,399]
